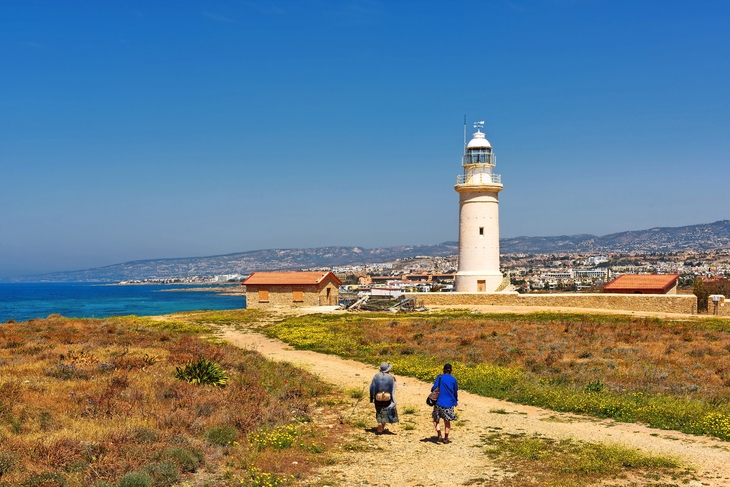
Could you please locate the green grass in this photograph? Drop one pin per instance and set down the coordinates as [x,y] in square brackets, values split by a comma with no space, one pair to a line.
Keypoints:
[409,410]
[355,393]
[543,461]
[234,317]
[171,325]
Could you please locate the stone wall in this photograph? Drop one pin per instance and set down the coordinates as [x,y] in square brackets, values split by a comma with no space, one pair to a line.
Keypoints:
[664,303]
[283,296]
[723,307]
[722,310]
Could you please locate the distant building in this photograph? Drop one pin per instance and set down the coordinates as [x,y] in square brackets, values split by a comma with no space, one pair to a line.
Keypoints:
[558,275]
[291,289]
[591,273]
[597,260]
[643,284]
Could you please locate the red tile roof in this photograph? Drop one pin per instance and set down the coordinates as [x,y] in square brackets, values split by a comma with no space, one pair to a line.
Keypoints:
[289,278]
[659,282]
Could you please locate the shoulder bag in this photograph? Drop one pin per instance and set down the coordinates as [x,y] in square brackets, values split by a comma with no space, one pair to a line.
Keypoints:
[433,397]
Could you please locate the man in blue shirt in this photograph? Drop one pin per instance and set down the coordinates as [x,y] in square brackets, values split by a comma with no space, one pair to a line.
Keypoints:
[448,399]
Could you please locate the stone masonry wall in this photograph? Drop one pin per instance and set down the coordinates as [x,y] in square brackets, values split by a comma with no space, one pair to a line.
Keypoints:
[723,307]
[664,303]
[283,296]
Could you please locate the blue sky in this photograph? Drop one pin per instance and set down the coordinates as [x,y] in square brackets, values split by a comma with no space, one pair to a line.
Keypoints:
[134,130]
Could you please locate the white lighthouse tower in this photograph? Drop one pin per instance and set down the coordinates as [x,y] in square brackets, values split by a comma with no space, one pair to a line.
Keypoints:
[478,190]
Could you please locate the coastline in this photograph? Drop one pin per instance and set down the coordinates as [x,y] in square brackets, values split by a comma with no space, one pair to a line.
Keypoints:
[226,290]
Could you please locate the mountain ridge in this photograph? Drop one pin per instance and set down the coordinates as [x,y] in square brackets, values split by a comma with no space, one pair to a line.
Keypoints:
[705,236]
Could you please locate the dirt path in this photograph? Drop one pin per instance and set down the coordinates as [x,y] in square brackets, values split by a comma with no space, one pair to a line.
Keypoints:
[410,458]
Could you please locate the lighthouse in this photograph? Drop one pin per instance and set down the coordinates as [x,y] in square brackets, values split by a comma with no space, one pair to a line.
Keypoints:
[478,189]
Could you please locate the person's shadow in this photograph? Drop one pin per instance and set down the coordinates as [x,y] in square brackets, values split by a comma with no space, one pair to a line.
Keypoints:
[429,439]
[374,431]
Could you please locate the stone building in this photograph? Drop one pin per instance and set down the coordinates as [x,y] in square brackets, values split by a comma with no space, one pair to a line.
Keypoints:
[643,284]
[291,289]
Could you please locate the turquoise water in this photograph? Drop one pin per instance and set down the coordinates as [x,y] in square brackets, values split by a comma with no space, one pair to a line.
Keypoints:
[23,301]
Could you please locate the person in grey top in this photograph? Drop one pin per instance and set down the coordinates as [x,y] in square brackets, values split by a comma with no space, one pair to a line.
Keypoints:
[382,394]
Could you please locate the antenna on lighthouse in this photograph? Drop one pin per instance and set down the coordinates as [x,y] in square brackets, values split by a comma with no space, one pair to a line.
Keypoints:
[464,134]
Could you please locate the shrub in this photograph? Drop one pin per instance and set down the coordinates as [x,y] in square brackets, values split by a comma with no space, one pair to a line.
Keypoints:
[221,435]
[356,393]
[92,451]
[178,440]
[76,466]
[67,372]
[45,479]
[202,371]
[163,474]
[135,479]
[594,386]
[7,462]
[144,435]
[188,460]
[45,420]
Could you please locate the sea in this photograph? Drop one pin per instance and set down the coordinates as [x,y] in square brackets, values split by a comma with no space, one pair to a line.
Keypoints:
[24,301]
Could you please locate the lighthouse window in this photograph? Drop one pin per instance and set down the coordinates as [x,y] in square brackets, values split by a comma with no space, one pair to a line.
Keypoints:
[481,231]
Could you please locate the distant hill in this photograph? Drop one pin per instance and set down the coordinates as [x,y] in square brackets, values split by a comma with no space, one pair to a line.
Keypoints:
[246,262]
[665,239]
[693,237]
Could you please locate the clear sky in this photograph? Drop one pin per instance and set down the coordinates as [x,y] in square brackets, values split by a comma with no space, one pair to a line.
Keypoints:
[142,129]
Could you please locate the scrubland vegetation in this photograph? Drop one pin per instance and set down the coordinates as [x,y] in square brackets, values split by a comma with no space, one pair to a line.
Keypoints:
[667,374]
[138,402]
[147,402]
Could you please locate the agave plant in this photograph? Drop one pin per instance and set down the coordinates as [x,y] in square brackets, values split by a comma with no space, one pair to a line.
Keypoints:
[202,371]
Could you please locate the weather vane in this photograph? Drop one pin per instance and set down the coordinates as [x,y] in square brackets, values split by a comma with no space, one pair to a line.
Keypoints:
[479,125]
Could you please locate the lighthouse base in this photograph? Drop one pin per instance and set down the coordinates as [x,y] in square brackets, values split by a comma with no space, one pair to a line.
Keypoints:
[469,282]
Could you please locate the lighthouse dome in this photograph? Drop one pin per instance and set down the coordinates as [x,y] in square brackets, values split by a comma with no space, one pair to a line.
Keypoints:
[478,141]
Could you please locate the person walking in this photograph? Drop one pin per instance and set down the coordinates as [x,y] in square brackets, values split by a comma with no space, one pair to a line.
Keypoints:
[382,394]
[446,402]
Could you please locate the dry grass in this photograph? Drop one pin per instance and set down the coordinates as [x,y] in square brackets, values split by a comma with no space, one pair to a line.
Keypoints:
[669,374]
[86,402]
[622,353]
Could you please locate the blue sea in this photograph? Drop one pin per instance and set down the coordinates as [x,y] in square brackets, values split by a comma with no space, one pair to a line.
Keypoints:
[23,301]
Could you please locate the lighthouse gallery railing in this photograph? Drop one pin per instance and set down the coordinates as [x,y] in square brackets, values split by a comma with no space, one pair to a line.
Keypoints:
[479,178]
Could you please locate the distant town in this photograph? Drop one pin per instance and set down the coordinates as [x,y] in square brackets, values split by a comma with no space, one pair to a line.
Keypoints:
[555,272]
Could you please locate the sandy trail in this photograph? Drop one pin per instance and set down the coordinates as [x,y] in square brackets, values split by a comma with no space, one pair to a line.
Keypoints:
[409,457]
